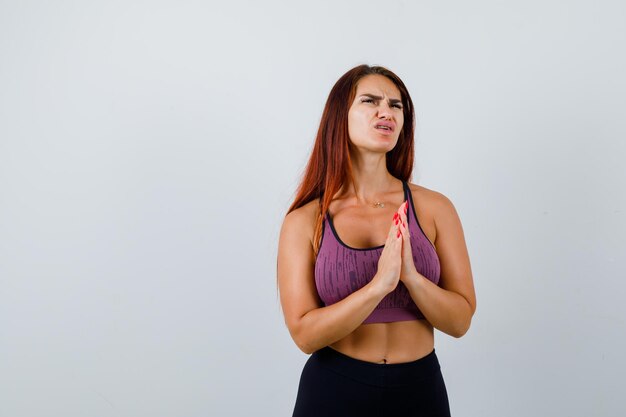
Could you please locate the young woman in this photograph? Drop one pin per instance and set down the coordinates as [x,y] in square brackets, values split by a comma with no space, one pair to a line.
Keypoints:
[362,281]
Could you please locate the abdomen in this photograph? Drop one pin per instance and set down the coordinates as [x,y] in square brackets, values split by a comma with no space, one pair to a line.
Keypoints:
[395,342]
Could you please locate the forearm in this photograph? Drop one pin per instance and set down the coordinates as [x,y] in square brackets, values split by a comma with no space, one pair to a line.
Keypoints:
[446,310]
[324,326]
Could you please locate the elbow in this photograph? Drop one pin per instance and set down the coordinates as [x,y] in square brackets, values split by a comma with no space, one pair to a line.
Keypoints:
[298,335]
[304,346]
[461,329]
[463,325]
[303,342]
[459,333]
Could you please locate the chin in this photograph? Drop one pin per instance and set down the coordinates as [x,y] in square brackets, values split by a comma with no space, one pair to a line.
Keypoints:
[378,144]
[386,144]
[382,149]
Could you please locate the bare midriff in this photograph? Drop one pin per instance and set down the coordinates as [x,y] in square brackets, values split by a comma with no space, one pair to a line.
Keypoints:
[400,341]
[387,343]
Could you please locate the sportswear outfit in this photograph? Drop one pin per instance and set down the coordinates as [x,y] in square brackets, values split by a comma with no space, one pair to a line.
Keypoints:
[337,385]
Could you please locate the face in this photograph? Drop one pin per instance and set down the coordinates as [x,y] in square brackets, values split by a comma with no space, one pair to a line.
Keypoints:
[377,102]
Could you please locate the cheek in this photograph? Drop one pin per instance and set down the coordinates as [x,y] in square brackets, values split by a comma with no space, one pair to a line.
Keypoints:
[400,125]
[356,124]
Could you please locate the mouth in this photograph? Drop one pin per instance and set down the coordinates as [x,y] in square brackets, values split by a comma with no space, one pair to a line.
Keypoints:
[385,126]
[383,130]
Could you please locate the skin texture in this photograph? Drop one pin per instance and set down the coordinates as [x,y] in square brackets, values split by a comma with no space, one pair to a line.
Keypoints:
[448,307]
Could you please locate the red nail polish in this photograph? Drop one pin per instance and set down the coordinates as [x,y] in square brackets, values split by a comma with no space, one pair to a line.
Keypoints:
[398,234]
[403,224]
[396,222]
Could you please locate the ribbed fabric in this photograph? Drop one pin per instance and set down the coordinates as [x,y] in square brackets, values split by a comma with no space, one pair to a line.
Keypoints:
[340,270]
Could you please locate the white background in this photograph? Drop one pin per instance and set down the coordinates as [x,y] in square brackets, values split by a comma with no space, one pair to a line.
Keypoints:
[149,151]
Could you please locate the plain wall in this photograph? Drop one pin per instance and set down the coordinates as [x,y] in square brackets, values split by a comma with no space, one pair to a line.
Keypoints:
[150,149]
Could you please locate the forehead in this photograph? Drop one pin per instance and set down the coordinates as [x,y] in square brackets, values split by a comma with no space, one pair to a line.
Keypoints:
[378,85]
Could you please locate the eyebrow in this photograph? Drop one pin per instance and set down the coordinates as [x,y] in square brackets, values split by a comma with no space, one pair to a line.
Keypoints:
[391,100]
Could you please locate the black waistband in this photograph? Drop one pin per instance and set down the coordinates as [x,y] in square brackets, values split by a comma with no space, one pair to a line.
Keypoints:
[379,374]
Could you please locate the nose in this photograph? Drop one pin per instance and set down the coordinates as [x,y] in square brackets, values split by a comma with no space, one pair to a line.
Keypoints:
[385,111]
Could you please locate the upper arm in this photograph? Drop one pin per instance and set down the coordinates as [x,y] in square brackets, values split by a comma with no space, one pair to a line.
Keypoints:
[456,272]
[295,269]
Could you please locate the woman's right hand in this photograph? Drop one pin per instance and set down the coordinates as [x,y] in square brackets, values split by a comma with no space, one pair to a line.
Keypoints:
[390,261]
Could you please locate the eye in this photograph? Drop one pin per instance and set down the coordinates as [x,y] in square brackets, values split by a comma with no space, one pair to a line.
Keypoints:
[369,100]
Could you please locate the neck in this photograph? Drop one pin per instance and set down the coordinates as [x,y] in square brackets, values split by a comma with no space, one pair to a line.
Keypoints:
[372,180]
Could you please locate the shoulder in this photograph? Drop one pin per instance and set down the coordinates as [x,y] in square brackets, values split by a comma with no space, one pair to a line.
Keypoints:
[304,215]
[438,205]
[301,221]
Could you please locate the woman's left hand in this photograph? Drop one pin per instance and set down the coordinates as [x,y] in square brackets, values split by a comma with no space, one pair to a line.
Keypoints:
[408,266]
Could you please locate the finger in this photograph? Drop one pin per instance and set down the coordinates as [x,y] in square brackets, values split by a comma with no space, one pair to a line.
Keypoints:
[404,230]
[400,214]
[406,237]
[404,207]
[394,233]
[395,229]
[402,219]
[398,222]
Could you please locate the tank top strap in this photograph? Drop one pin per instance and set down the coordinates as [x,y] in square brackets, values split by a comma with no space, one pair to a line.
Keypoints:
[408,196]
[325,225]
[326,218]
[417,225]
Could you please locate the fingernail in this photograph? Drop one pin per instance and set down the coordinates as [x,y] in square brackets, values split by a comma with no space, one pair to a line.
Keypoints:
[398,234]
[403,224]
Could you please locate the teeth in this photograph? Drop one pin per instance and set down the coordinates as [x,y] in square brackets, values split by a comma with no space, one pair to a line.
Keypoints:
[383,127]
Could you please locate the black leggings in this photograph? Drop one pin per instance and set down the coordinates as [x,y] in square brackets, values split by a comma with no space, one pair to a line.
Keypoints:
[337,385]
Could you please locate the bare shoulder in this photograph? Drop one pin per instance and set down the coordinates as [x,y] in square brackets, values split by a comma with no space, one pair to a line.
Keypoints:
[304,216]
[434,202]
[436,213]
[302,220]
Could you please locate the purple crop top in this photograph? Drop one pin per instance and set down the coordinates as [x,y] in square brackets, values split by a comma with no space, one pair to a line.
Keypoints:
[340,270]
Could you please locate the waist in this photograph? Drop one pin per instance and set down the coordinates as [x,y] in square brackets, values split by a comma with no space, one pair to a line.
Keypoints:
[395,374]
[390,343]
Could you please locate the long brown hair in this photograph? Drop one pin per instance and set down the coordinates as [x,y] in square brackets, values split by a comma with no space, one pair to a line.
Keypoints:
[329,166]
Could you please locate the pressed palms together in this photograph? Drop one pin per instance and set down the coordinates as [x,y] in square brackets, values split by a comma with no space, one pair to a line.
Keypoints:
[396,260]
